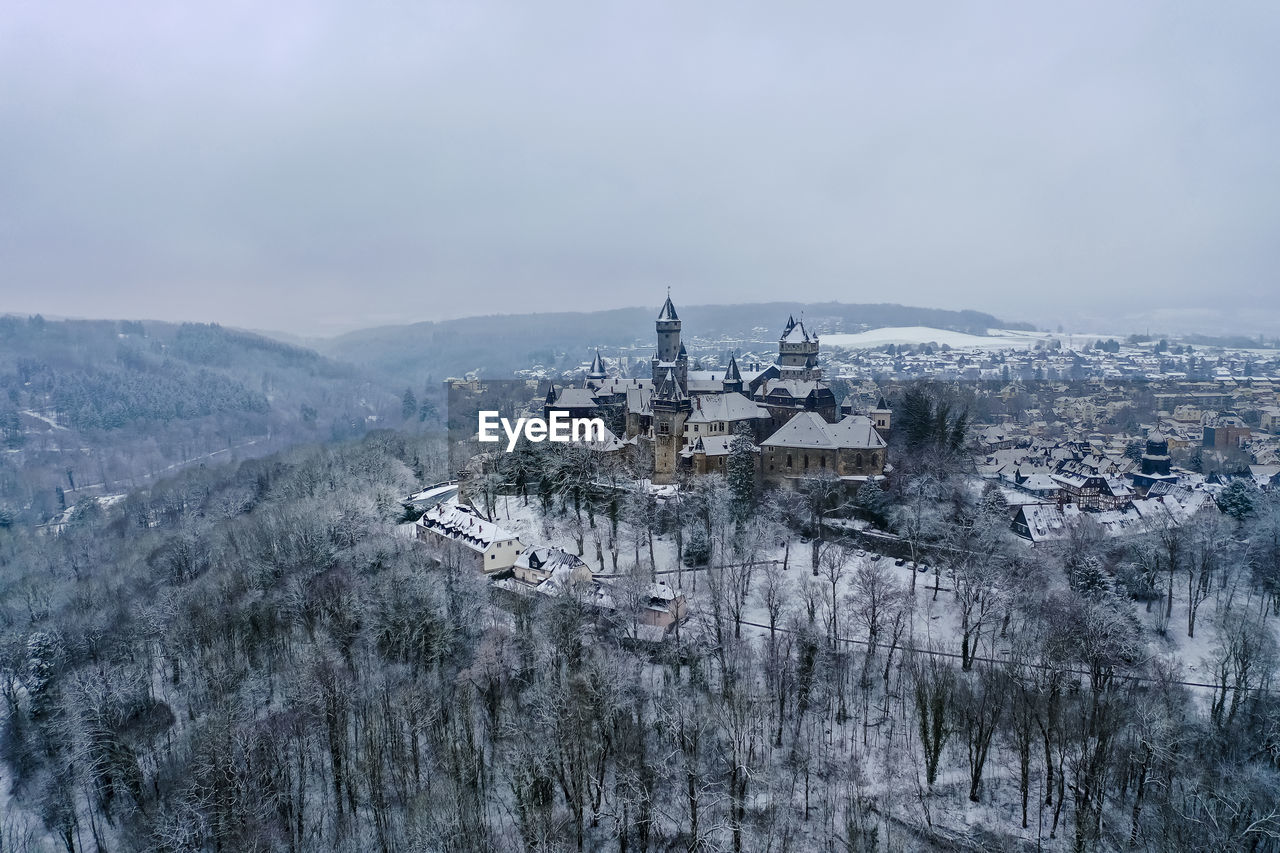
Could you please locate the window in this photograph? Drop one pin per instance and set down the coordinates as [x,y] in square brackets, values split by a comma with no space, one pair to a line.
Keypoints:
[788,460]
[822,462]
[664,428]
[857,460]
[806,462]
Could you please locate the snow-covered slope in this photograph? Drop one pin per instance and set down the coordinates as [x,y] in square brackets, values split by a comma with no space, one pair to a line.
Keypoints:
[994,339]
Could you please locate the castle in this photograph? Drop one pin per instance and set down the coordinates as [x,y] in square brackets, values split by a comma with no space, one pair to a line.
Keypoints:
[687,419]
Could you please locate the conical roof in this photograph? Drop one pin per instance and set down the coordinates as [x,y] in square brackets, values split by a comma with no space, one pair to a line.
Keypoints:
[668,311]
[732,374]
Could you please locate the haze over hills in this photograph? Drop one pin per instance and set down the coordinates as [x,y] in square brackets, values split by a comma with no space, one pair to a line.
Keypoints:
[91,407]
[99,406]
[498,344]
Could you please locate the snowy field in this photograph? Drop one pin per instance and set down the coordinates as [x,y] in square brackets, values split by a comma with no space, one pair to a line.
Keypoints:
[913,335]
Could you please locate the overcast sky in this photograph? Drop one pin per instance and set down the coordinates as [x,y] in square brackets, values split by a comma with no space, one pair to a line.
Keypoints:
[317,167]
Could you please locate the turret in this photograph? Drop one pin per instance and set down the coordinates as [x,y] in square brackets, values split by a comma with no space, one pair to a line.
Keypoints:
[668,326]
[797,352]
[1156,461]
[670,352]
[732,378]
[596,375]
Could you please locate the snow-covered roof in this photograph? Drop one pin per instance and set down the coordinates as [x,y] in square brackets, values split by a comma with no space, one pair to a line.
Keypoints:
[709,408]
[855,431]
[797,389]
[638,400]
[434,495]
[461,524]
[576,398]
[712,445]
[796,334]
[808,429]
[1043,521]
[547,559]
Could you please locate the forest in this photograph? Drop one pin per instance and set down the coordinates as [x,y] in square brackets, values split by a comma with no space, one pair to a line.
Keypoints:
[99,407]
[256,657]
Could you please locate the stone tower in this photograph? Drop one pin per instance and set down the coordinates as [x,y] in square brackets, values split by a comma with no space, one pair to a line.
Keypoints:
[670,354]
[671,408]
[798,353]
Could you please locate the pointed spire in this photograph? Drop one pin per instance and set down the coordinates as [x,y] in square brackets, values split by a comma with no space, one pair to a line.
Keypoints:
[732,374]
[668,311]
[669,388]
[597,366]
[666,387]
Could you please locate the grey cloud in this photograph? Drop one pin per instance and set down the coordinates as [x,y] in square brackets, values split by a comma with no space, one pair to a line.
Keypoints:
[316,167]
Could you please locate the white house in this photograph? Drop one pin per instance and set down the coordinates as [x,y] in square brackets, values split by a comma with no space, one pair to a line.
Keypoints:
[457,529]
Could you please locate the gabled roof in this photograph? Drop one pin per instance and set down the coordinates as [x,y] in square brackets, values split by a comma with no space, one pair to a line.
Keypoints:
[576,398]
[547,559]
[808,429]
[732,406]
[462,525]
[855,431]
[669,388]
[713,445]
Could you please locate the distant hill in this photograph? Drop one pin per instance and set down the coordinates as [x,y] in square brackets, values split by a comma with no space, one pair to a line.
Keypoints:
[98,406]
[498,344]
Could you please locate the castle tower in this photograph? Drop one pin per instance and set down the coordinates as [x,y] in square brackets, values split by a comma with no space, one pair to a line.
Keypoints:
[671,408]
[798,352]
[668,332]
[670,354]
[596,375]
[732,377]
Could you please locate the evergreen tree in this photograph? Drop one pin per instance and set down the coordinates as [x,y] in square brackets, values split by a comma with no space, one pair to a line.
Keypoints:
[742,470]
[697,547]
[408,404]
[1239,499]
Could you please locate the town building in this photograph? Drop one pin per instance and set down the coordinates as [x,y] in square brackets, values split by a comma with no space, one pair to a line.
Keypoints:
[455,531]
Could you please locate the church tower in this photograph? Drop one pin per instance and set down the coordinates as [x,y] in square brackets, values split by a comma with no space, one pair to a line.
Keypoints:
[1156,461]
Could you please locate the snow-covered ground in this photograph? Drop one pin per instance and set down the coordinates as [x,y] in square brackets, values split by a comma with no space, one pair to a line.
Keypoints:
[913,335]
[935,621]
